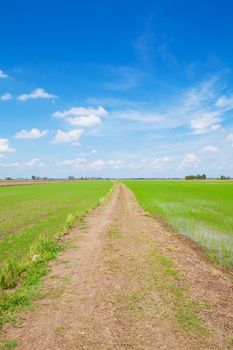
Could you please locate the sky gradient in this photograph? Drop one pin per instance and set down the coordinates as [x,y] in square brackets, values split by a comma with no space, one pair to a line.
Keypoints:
[116,88]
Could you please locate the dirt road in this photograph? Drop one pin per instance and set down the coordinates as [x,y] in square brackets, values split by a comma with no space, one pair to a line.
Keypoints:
[126,281]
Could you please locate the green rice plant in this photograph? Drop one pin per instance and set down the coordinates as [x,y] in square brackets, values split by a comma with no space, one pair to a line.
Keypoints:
[201,210]
[33,218]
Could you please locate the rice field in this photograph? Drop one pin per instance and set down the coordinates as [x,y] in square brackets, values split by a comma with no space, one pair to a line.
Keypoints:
[34,216]
[201,210]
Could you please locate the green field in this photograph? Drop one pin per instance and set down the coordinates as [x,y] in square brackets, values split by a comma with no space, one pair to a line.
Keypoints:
[32,218]
[202,210]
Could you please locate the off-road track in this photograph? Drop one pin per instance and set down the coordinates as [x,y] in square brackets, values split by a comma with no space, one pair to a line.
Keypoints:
[126,281]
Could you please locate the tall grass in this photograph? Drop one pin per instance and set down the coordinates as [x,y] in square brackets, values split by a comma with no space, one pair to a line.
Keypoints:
[201,210]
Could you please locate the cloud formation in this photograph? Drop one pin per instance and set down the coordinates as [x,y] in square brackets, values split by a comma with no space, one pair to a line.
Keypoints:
[37,93]
[209,149]
[160,163]
[5,147]
[77,163]
[34,133]
[189,160]
[81,116]
[6,97]
[34,163]
[199,109]
[71,136]
[3,75]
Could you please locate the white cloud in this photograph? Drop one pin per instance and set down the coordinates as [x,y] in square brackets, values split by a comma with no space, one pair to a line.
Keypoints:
[34,133]
[189,160]
[6,97]
[91,120]
[201,108]
[112,163]
[225,102]
[10,165]
[37,93]
[209,149]
[208,121]
[81,111]
[230,138]
[115,164]
[81,116]
[121,78]
[76,163]
[34,163]
[97,164]
[160,163]
[3,75]
[140,116]
[5,147]
[71,136]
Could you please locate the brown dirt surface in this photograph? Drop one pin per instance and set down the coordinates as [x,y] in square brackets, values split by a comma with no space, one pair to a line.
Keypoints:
[125,281]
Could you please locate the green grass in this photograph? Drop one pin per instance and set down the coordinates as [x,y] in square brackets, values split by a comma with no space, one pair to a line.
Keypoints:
[201,210]
[8,344]
[32,220]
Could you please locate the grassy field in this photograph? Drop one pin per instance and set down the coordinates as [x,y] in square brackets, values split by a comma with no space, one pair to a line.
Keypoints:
[201,210]
[32,218]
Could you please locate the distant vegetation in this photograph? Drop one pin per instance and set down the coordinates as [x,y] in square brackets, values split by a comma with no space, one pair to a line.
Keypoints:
[201,210]
[195,177]
[203,177]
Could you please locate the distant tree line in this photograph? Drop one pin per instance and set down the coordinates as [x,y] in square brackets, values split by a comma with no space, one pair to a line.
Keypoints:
[34,177]
[195,177]
[203,177]
[222,177]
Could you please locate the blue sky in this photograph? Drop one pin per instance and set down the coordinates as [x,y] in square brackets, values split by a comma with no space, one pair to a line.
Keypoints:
[116,88]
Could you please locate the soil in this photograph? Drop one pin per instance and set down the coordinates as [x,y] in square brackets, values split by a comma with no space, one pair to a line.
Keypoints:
[114,288]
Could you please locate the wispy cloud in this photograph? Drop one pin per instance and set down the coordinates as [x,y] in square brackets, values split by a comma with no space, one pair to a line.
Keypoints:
[37,93]
[200,109]
[76,163]
[189,160]
[6,97]
[33,163]
[230,139]
[34,133]
[99,164]
[206,122]
[3,75]
[36,162]
[160,163]
[122,78]
[209,149]
[153,48]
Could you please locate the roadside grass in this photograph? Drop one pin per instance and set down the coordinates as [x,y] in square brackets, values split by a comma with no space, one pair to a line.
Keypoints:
[154,285]
[163,277]
[187,308]
[8,344]
[24,254]
[201,210]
